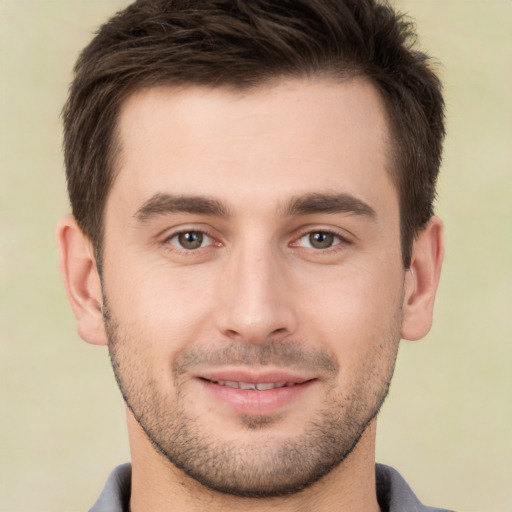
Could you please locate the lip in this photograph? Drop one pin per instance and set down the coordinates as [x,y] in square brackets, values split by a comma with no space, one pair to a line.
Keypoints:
[253,401]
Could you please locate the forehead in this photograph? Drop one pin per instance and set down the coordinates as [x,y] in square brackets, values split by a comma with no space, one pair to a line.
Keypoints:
[290,137]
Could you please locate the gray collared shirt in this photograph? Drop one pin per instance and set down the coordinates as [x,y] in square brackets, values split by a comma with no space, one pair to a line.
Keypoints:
[393,493]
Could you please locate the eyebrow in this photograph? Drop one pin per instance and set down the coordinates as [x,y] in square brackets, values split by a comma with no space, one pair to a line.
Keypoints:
[329,203]
[161,204]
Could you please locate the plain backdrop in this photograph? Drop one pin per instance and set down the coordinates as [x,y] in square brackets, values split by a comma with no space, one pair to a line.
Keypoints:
[447,425]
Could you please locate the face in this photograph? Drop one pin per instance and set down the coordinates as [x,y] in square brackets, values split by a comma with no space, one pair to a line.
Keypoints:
[252,277]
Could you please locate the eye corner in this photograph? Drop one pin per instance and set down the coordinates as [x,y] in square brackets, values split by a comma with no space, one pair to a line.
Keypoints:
[189,241]
[320,239]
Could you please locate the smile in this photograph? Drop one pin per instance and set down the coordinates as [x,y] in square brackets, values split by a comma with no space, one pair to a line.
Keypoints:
[260,386]
[256,395]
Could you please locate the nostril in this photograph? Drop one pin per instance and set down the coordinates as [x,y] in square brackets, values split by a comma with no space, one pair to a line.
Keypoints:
[233,334]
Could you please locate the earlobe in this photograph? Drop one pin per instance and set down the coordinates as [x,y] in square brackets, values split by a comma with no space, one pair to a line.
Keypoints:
[422,279]
[79,272]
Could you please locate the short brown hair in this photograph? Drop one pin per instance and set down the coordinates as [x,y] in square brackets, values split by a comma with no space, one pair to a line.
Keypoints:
[243,44]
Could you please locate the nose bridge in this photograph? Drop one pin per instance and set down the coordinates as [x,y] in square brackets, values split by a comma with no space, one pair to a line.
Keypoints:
[255,303]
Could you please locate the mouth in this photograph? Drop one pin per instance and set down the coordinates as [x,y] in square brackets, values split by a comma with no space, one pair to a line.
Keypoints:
[252,394]
[254,386]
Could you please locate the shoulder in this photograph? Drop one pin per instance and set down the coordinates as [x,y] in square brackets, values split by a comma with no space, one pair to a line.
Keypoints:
[115,496]
[395,495]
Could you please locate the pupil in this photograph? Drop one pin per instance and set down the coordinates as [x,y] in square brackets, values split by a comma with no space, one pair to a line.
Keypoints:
[321,240]
[191,240]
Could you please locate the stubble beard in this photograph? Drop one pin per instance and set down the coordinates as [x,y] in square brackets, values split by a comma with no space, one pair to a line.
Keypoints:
[268,467]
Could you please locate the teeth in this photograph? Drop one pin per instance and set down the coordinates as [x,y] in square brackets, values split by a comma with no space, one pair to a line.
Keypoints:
[266,385]
[246,385]
[251,386]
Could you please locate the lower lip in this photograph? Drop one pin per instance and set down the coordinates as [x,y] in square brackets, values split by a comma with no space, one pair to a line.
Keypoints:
[254,402]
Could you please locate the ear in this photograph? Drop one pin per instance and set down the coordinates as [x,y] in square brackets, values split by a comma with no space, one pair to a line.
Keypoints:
[81,279]
[422,279]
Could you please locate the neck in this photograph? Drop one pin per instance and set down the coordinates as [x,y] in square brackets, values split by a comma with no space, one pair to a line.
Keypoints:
[158,486]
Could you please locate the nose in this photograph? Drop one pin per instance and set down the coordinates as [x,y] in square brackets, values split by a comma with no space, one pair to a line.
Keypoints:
[255,303]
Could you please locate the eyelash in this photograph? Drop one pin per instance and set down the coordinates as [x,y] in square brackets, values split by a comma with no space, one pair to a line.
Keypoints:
[341,240]
[175,247]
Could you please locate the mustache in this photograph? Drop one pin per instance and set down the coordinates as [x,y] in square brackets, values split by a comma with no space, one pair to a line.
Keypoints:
[282,354]
[285,354]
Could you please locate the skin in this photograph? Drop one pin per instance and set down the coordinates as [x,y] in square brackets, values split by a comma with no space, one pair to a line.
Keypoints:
[259,296]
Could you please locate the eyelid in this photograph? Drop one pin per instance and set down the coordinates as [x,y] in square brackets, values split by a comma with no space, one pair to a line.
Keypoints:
[345,238]
[342,235]
[169,234]
[207,239]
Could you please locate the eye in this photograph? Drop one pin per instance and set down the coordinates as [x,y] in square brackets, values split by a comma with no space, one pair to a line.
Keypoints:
[191,240]
[319,240]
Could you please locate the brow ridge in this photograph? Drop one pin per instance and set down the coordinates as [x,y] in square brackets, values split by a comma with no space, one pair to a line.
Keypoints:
[162,204]
[329,203]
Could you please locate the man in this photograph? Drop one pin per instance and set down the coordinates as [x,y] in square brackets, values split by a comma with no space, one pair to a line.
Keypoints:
[252,234]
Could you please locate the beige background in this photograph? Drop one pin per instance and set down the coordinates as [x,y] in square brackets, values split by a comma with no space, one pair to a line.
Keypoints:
[448,422]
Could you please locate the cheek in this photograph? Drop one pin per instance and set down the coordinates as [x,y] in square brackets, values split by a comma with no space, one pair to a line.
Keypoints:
[360,301]
[162,305]
[357,317]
